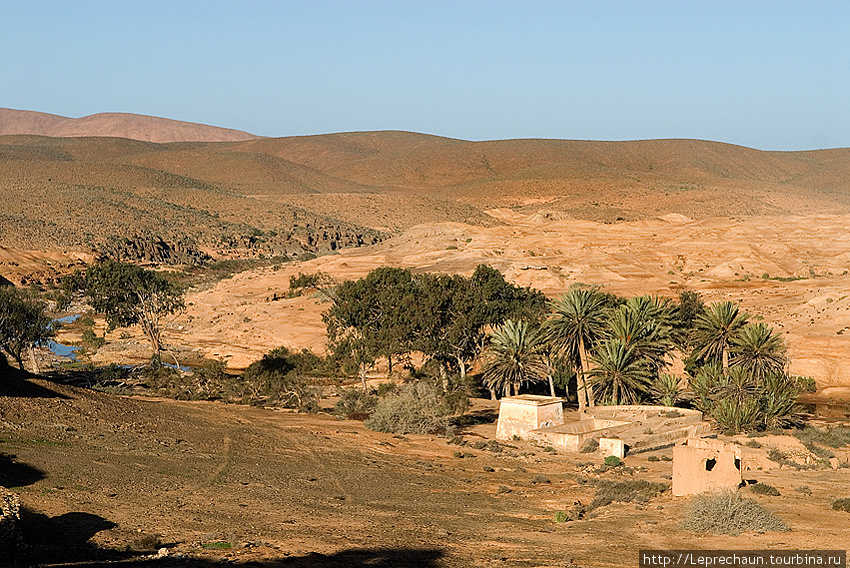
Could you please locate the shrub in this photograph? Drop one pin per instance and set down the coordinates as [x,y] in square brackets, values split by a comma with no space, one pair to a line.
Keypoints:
[561,517]
[354,403]
[540,479]
[146,543]
[805,384]
[613,461]
[278,379]
[726,512]
[637,490]
[589,446]
[753,444]
[415,408]
[764,489]
[804,489]
[842,504]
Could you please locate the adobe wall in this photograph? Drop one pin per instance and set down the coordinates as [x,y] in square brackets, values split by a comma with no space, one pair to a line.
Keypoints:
[703,464]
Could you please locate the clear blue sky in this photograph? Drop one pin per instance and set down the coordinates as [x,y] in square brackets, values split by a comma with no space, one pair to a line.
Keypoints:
[766,74]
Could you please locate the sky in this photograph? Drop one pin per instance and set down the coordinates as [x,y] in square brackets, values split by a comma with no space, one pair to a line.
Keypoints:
[773,75]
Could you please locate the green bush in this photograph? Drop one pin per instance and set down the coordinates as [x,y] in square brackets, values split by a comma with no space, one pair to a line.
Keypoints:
[726,512]
[764,489]
[613,461]
[561,517]
[419,407]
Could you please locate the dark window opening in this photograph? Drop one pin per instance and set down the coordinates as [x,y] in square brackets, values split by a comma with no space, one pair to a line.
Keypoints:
[738,464]
[709,464]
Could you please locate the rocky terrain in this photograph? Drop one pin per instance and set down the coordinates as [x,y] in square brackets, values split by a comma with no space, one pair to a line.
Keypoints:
[106,479]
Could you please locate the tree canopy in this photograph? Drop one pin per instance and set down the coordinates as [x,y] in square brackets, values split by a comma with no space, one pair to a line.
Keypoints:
[128,294]
[23,323]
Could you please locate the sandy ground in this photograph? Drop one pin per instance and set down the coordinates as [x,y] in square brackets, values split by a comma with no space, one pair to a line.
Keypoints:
[97,472]
[723,259]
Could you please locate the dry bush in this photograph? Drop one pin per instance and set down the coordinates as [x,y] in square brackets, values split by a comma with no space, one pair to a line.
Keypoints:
[726,512]
[636,490]
[415,408]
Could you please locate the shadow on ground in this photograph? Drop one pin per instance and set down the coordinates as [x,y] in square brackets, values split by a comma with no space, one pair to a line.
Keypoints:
[357,558]
[14,382]
[16,474]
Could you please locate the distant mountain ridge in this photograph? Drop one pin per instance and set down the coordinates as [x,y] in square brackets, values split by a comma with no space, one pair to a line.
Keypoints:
[116,125]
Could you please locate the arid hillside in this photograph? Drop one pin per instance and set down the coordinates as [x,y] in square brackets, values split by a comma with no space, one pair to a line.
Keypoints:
[115,125]
[318,194]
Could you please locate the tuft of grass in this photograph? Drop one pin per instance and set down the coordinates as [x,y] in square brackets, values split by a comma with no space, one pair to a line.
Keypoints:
[218,545]
[589,446]
[804,489]
[842,504]
[540,479]
[753,444]
[726,512]
[764,489]
[635,490]
[653,459]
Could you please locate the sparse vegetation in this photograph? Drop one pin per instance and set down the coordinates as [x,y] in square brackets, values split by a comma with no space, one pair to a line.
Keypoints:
[727,512]
[842,504]
[419,407]
[764,489]
[632,491]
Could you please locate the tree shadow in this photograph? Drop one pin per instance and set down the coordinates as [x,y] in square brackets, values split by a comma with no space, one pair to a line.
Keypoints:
[64,538]
[17,383]
[16,474]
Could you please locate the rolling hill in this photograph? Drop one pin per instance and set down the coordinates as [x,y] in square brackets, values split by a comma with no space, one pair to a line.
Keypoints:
[313,194]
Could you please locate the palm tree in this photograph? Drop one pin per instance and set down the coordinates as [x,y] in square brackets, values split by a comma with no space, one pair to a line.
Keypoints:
[715,330]
[578,322]
[515,356]
[759,350]
[619,373]
[645,324]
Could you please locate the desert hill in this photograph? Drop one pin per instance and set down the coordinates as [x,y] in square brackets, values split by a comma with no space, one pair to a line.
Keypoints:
[116,125]
[316,194]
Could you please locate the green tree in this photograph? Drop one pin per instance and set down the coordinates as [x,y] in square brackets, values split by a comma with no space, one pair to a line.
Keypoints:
[128,295]
[579,320]
[715,331]
[759,350]
[618,374]
[515,356]
[23,324]
[645,324]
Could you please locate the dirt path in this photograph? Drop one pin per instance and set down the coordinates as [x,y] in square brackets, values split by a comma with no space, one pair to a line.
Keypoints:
[284,488]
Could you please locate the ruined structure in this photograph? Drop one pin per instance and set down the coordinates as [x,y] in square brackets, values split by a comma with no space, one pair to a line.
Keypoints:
[636,427]
[704,465]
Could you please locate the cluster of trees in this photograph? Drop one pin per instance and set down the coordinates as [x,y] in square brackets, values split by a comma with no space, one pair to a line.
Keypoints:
[392,313]
[620,349]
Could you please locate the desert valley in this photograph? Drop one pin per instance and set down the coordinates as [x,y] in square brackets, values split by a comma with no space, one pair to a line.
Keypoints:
[124,474]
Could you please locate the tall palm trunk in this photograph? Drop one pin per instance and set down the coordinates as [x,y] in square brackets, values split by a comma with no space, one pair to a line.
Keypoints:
[583,387]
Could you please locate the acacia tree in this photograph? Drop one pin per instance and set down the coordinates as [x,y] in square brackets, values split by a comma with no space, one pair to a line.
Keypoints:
[128,294]
[23,324]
